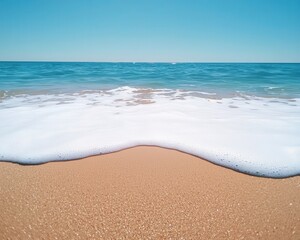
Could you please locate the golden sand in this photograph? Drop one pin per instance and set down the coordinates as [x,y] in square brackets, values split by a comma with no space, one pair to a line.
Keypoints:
[144,193]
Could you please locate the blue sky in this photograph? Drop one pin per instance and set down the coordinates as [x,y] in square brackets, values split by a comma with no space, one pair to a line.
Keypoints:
[150,30]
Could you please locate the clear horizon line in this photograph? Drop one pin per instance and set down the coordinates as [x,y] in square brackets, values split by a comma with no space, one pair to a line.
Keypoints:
[60,61]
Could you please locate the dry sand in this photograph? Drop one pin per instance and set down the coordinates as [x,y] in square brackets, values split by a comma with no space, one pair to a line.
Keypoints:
[144,193]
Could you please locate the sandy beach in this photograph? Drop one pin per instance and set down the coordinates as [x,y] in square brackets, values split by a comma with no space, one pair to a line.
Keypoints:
[144,193]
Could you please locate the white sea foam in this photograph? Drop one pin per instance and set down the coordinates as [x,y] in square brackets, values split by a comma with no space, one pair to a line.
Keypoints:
[260,136]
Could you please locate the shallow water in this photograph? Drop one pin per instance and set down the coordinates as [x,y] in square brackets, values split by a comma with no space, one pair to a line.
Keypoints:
[242,116]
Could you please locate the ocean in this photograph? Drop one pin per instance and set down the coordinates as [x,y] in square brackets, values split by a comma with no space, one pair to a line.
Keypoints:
[242,116]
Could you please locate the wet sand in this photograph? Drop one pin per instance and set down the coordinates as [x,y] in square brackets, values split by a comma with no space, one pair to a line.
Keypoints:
[144,193]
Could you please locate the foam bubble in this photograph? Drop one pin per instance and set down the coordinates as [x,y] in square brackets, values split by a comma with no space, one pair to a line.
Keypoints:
[259,136]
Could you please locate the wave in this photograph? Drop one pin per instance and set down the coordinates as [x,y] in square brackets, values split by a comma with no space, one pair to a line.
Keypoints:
[255,135]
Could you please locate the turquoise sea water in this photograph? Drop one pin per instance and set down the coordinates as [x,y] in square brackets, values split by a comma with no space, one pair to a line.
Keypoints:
[224,79]
[242,116]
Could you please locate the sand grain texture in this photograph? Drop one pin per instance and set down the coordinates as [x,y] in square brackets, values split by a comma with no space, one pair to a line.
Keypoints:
[144,193]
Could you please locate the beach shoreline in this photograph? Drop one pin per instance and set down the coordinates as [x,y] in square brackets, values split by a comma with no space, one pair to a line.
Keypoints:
[144,192]
[155,147]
